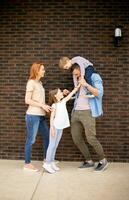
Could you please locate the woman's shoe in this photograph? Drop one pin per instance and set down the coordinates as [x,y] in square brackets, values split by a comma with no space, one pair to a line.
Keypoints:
[30,167]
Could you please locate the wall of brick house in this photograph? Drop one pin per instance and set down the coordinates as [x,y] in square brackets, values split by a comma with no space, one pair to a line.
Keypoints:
[32,30]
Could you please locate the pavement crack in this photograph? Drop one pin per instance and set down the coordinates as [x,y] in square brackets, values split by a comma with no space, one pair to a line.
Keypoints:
[33,194]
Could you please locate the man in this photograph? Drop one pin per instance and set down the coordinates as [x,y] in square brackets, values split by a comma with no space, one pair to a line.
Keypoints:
[83,117]
[85,65]
[86,68]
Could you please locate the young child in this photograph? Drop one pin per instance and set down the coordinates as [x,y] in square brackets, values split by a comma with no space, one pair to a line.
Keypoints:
[59,120]
[86,68]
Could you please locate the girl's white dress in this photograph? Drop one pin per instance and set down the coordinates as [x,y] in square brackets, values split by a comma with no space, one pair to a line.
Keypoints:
[61,119]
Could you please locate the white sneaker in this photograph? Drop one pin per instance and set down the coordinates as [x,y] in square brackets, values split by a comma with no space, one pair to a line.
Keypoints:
[53,165]
[56,161]
[48,168]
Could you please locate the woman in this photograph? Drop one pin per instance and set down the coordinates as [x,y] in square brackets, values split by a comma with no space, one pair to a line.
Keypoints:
[35,115]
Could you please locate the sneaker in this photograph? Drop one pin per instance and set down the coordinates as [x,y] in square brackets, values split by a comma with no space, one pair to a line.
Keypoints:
[56,161]
[53,165]
[87,165]
[102,165]
[48,168]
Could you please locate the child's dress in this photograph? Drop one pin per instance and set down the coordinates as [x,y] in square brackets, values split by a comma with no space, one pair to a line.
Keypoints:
[61,119]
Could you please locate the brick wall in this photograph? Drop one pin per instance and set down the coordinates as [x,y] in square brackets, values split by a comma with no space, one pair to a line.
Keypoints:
[45,30]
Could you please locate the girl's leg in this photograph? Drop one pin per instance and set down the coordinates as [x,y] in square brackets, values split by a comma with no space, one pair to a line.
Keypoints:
[58,138]
[51,148]
[32,124]
[44,131]
[53,143]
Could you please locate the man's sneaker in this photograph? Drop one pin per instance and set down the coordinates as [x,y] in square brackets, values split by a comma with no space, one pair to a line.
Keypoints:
[48,168]
[86,165]
[55,167]
[102,165]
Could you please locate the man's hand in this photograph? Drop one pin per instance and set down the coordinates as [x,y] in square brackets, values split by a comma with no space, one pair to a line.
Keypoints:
[83,82]
[94,91]
[66,92]
[47,108]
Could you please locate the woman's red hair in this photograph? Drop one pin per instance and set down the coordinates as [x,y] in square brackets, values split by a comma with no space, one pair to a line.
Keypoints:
[35,69]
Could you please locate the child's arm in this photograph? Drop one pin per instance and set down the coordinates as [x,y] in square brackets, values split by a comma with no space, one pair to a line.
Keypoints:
[52,128]
[72,93]
[66,92]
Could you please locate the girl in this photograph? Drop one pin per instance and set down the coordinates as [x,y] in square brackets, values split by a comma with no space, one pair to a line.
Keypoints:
[35,115]
[58,121]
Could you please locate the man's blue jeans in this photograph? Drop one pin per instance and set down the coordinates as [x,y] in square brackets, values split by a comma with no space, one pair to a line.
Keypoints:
[35,124]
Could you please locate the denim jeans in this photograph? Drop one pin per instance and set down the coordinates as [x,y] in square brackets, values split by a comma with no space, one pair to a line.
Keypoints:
[53,144]
[83,121]
[35,124]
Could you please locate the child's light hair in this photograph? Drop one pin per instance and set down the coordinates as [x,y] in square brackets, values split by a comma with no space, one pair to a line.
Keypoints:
[63,61]
[52,98]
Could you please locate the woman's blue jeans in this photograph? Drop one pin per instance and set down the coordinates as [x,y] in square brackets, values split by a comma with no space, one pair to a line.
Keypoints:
[35,124]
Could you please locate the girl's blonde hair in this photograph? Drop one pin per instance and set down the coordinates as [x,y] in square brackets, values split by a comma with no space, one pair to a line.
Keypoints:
[35,69]
[52,98]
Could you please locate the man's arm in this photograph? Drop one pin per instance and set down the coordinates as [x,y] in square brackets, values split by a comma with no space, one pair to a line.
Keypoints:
[97,90]
[90,88]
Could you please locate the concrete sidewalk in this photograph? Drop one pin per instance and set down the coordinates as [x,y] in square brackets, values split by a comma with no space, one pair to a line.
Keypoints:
[70,183]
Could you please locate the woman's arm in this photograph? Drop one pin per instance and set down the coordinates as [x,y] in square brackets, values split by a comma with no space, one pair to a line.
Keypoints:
[29,101]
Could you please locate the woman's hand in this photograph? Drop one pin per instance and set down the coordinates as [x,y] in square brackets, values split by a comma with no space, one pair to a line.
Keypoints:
[47,108]
[52,131]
